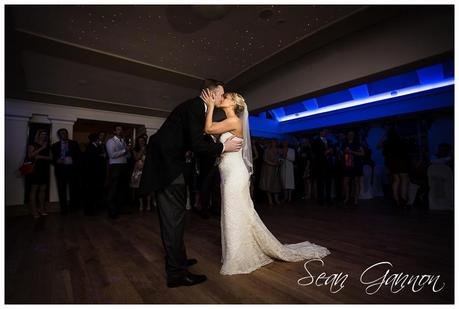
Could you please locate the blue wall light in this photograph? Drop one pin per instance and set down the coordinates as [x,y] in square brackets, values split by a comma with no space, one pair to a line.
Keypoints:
[371,99]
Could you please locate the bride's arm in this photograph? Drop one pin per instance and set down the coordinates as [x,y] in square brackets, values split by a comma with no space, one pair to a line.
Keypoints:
[220,127]
[229,124]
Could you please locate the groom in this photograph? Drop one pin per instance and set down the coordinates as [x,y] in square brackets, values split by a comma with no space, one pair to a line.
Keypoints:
[163,173]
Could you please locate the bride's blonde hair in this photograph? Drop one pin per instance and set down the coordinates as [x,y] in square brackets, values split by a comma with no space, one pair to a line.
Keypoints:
[239,100]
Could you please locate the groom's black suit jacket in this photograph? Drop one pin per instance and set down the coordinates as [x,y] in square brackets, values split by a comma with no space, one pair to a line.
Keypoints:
[183,130]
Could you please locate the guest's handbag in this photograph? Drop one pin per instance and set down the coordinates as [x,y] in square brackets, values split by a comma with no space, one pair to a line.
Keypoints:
[26,168]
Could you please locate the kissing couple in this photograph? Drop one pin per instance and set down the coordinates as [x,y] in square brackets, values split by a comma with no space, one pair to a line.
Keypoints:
[246,242]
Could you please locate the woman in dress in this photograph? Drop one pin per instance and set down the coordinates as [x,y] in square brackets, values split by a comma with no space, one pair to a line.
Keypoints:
[397,162]
[353,167]
[246,242]
[305,167]
[38,152]
[270,180]
[139,152]
[287,171]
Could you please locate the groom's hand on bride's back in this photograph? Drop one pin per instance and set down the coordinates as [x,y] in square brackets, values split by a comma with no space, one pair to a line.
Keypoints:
[233,144]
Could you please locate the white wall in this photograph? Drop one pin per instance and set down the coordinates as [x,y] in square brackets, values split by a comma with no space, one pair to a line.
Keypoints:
[18,113]
[387,45]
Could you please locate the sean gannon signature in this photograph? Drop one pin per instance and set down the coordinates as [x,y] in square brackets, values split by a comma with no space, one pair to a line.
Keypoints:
[397,281]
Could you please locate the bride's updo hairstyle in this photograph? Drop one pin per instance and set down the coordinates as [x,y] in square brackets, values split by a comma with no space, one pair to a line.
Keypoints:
[239,100]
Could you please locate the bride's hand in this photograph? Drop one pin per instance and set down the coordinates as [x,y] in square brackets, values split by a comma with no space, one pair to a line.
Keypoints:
[208,97]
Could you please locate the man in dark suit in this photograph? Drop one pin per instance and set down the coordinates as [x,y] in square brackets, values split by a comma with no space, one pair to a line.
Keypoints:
[94,175]
[66,157]
[164,173]
[322,150]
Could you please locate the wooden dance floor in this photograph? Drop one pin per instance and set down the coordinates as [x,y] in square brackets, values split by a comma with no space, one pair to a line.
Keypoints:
[79,259]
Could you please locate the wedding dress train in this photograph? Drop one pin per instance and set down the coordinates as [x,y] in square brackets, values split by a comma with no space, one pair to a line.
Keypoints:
[246,242]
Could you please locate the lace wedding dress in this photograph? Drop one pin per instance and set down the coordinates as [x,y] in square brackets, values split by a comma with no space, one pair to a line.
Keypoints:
[246,242]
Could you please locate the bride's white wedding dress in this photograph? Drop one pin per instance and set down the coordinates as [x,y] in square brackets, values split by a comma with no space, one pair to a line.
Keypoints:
[246,242]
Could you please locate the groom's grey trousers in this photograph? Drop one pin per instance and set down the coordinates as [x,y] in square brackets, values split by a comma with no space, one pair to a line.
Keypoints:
[171,209]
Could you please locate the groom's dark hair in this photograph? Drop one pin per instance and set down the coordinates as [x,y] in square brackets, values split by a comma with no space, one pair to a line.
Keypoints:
[212,84]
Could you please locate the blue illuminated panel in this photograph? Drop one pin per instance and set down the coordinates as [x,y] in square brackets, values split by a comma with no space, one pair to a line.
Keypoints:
[423,89]
[371,99]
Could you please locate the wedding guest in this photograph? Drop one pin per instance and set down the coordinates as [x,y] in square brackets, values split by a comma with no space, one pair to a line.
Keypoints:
[257,164]
[287,171]
[420,177]
[305,162]
[138,153]
[396,159]
[443,155]
[118,153]
[66,156]
[38,152]
[253,178]
[322,166]
[353,167]
[270,181]
[339,165]
[367,158]
[101,138]
[94,176]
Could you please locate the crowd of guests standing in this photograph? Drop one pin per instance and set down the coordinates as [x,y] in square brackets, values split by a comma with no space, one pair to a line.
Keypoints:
[284,170]
[317,164]
[310,167]
[106,176]
[103,177]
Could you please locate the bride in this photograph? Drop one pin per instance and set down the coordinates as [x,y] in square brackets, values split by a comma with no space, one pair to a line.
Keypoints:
[246,242]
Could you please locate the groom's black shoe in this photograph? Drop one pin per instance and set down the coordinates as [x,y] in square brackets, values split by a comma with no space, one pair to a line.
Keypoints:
[191,262]
[188,279]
